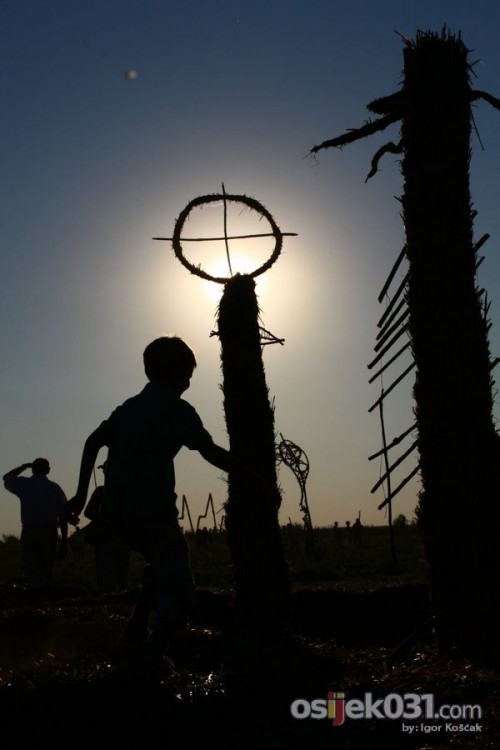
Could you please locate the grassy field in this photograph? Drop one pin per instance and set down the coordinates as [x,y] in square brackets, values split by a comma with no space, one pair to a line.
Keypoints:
[333,561]
[354,608]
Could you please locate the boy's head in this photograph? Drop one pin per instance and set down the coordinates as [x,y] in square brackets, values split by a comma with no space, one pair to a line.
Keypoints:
[40,466]
[169,360]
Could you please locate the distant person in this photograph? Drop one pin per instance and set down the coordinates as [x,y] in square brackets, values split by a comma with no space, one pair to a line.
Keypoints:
[112,555]
[42,517]
[336,533]
[143,436]
[401,522]
[357,531]
[348,533]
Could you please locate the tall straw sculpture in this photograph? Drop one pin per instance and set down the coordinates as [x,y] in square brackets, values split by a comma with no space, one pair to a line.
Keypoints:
[459,504]
[253,531]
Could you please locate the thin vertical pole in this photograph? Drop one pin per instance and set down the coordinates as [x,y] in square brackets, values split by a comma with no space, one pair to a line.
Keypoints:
[225,231]
[387,469]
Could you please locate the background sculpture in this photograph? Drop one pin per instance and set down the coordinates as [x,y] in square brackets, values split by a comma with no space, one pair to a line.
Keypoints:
[447,324]
[296,460]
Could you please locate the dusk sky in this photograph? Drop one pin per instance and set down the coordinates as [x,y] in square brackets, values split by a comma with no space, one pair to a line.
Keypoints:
[96,163]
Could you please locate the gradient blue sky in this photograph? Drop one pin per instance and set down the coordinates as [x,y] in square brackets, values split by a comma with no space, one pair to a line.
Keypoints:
[94,165]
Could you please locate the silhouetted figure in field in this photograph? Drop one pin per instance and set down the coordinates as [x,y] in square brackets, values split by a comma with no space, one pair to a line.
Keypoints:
[357,532]
[348,533]
[336,534]
[401,523]
[143,436]
[42,515]
[112,554]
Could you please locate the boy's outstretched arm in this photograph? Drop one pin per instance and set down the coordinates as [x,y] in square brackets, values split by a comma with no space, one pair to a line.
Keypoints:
[222,459]
[92,446]
[217,456]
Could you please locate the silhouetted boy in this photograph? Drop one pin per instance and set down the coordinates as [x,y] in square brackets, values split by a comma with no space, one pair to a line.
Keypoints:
[143,435]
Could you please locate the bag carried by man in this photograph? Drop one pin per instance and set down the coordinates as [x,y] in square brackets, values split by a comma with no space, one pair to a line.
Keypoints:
[99,529]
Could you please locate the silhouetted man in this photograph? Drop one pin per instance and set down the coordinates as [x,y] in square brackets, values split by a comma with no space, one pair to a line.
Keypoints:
[42,514]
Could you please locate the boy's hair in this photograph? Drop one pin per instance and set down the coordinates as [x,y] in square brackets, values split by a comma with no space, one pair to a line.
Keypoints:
[40,466]
[167,357]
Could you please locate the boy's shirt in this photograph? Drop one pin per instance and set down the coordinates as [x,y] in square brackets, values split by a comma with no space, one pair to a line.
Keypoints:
[143,436]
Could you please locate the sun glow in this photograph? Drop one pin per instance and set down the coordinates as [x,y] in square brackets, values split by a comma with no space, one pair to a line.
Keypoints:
[220,268]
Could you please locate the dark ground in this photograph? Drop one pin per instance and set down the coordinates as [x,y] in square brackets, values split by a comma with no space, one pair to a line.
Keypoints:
[58,681]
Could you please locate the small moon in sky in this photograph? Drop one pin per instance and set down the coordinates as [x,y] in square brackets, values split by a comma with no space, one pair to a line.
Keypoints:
[131,74]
